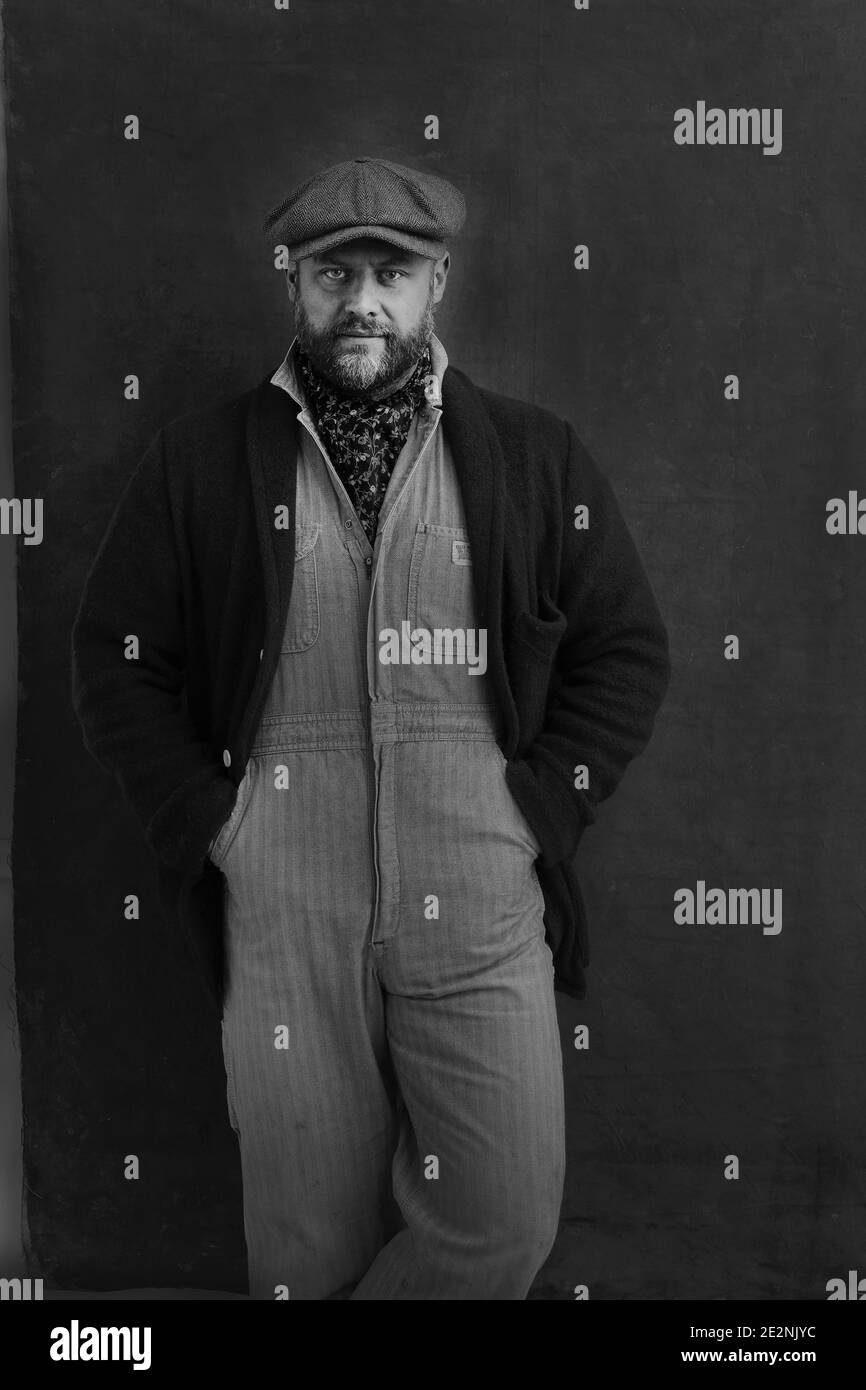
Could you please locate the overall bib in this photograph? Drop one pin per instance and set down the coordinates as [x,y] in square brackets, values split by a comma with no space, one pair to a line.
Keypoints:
[393,1064]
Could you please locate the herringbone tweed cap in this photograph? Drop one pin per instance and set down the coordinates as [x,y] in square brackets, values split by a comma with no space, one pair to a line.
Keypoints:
[369,197]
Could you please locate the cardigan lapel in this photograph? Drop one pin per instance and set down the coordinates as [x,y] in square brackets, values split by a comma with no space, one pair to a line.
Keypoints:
[480,469]
[271,451]
[273,463]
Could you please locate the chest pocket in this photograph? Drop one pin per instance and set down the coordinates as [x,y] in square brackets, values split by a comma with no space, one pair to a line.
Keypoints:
[302,622]
[440,578]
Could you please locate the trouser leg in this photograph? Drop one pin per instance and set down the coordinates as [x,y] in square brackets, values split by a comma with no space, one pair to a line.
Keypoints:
[316,1130]
[310,1083]
[479,1168]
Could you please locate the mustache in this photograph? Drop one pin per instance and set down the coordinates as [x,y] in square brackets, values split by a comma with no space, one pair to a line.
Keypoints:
[362,329]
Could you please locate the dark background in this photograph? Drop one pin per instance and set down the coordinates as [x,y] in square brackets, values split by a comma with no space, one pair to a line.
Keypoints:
[146,257]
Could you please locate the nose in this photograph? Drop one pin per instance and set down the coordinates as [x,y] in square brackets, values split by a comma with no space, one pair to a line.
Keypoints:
[362,298]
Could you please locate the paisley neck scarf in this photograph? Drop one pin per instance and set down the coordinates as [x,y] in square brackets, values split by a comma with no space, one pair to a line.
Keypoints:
[363,437]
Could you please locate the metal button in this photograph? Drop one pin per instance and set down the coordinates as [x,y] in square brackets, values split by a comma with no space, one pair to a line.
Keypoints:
[368,561]
[348,523]
[227,757]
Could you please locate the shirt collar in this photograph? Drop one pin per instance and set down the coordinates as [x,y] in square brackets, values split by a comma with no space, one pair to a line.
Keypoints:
[288,377]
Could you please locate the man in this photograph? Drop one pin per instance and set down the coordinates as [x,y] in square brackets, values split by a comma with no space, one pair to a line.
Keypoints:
[394,644]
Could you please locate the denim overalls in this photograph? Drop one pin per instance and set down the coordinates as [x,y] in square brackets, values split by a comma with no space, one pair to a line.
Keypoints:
[389,1032]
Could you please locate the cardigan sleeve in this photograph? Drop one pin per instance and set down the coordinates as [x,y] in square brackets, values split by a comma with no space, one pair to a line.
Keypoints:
[612,663]
[128,661]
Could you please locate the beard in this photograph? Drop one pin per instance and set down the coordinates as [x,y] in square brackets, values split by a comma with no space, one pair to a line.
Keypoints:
[351,368]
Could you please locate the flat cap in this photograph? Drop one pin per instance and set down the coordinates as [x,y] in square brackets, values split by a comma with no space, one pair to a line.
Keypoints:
[369,197]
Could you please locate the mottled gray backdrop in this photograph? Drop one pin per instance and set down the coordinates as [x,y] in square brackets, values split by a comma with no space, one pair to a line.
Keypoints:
[146,257]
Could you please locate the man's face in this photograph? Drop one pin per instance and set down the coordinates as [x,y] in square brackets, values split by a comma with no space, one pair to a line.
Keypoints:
[364,311]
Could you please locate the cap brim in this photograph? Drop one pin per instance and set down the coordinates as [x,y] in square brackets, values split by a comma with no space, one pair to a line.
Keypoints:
[423,246]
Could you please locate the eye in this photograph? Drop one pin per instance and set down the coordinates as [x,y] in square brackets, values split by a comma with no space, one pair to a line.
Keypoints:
[333,270]
[398,273]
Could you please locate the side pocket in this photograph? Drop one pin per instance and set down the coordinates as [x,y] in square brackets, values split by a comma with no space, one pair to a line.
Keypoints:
[230,827]
[542,633]
[531,662]
[529,833]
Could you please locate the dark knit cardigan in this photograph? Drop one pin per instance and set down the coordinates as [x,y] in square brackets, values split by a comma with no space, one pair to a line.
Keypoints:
[193,565]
